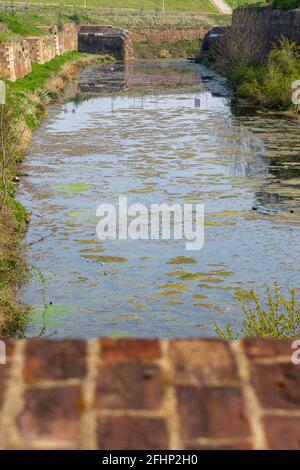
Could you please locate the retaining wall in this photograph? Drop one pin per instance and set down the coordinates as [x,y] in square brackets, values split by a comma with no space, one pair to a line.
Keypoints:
[265,27]
[169,34]
[149,394]
[16,57]
[103,39]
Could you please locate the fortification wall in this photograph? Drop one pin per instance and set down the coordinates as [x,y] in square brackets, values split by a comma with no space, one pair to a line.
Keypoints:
[16,57]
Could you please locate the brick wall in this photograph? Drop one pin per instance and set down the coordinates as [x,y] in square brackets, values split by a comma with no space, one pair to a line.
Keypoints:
[102,39]
[16,57]
[41,49]
[149,394]
[269,26]
[168,34]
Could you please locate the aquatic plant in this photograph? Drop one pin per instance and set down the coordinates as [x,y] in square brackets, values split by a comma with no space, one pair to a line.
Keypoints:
[278,317]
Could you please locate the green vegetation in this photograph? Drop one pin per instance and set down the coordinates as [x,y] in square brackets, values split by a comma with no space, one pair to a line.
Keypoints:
[269,85]
[286,4]
[25,107]
[150,50]
[147,5]
[279,318]
[261,84]
[15,24]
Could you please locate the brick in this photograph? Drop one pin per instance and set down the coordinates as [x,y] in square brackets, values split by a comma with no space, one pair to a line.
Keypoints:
[129,385]
[202,361]
[211,412]
[5,368]
[114,350]
[46,360]
[267,348]
[132,433]
[51,414]
[277,385]
[283,432]
[3,382]
[236,445]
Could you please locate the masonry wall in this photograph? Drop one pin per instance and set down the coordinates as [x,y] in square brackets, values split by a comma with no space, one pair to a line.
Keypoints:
[267,26]
[16,58]
[102,39]
[168,34]
[149,394]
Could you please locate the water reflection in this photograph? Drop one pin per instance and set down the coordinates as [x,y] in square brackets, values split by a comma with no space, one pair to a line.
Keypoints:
[157,132]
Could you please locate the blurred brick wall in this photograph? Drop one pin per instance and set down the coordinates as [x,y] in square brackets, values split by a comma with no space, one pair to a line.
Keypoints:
[149,394]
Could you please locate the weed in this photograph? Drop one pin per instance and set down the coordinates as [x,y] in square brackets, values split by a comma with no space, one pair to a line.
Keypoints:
[279,318]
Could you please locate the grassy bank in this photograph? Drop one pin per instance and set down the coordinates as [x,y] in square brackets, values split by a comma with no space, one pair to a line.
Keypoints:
[265,85]
[179,49]
[14,25]
[142,5]
[25,107]
[269,85]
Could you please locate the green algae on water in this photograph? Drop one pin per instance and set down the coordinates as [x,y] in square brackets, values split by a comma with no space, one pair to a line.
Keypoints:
[96,249]
[183,260]
[72,187]
[87,242]
[174,286]
[106,259]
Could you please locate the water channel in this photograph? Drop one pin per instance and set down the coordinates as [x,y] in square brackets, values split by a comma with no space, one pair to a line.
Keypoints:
[156,131]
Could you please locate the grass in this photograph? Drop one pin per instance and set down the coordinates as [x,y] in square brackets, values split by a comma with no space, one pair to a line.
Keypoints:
[41,73]
[244,3]
[166,49]
[269,85]
[25,107]
[20,23]
[148,5]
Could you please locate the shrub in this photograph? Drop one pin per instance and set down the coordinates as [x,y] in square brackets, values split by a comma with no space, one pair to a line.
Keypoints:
[286,4]
[280,318]
[269,85]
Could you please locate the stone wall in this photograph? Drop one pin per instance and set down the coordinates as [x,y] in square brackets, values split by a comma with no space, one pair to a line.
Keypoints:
[15,60]
[16,57]
[102,39]
[267,26]
[135,394]
[169,34]
[41,49]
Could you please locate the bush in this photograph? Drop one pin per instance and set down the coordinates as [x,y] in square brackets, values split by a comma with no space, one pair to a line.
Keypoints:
[270,85]
[286,4]
[280,318]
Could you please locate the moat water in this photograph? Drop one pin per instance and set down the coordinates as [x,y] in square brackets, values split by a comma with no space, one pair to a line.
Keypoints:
[161,131]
